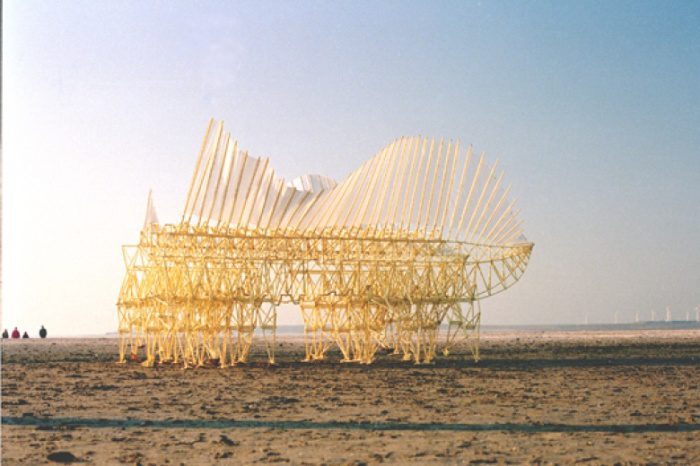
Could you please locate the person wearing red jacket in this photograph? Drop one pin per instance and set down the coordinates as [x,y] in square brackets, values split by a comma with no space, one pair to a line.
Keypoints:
[15,333]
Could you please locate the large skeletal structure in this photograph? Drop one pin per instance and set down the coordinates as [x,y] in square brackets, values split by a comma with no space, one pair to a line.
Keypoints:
[411,240]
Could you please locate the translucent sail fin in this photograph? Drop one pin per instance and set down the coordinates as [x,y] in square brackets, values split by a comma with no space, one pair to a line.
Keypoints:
[151,215]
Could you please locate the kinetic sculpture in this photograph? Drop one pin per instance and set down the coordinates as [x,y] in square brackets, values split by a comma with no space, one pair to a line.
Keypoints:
[411,240]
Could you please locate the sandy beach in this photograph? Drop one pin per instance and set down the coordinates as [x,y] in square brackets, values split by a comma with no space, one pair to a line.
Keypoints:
[562,397]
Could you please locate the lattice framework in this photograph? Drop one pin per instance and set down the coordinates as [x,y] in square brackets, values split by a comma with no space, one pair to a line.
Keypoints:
[411,240]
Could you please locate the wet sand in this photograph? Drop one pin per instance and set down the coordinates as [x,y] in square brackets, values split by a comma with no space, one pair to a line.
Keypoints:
[564,397]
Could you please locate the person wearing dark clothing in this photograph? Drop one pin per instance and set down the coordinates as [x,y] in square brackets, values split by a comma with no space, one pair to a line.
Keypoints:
[5,334]
[15,333]
[42,332]
[26,335]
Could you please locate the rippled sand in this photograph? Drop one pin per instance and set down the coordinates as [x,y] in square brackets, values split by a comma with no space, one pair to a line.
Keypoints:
[598,397]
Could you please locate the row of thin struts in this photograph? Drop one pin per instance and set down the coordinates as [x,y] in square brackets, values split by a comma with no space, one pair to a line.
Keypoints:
[223,336]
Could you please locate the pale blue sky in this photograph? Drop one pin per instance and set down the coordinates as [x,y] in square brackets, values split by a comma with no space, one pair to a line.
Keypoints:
[593,109]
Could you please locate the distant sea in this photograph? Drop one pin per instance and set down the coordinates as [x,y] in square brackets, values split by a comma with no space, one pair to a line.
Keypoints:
[672,325]
[298,330]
